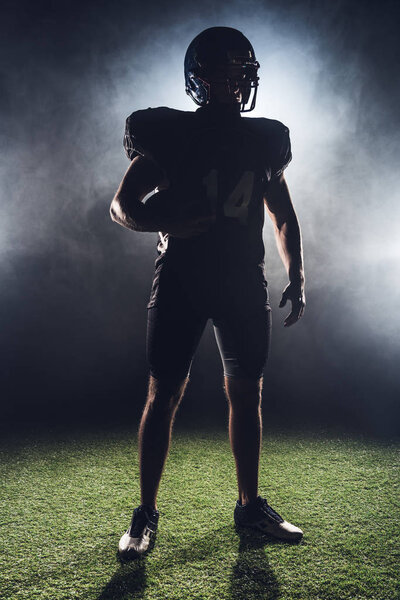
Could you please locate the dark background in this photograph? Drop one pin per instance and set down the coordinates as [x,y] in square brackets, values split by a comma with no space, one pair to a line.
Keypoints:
[74,285]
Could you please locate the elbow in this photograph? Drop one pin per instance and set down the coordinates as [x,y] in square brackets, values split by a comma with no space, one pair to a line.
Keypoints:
[286,224]
[117,213]
[112,213]
[120,215]
[280,227]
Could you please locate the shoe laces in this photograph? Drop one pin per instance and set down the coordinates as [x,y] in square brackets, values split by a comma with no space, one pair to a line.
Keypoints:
[142,516]
[270,511]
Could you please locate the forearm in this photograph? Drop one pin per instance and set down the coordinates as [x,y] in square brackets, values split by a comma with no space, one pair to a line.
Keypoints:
[132,214]
[288,241]
[127,208]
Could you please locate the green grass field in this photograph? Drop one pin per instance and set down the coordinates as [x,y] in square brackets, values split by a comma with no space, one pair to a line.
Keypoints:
[67,499]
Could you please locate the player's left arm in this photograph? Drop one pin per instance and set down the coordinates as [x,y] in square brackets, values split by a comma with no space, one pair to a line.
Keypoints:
[288,240]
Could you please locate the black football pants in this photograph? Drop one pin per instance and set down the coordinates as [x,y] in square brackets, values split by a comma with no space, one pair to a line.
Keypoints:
[174,331]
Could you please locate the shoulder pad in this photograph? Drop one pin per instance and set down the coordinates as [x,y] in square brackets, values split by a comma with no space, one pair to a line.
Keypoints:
[146,131]
[274,143]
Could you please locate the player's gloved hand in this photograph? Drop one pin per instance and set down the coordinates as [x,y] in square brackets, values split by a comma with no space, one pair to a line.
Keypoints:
[294,293]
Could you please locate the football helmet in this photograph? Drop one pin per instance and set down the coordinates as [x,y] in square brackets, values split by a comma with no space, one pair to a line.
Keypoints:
[221,55]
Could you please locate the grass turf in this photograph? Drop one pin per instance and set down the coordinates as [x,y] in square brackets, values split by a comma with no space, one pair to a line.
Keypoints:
[66,501]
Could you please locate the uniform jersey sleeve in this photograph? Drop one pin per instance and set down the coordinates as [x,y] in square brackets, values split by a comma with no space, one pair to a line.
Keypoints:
[131,144]
[138,134]
[148,133]
[274,145]
[282,154]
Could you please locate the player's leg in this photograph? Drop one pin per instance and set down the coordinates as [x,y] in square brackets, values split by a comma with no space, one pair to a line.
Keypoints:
[162,401]
[245,431]
[155,429]
[243,341]
[174,330]
[243,338]
[173,333]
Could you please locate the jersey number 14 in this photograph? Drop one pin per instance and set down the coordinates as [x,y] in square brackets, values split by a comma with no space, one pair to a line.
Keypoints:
[236,204]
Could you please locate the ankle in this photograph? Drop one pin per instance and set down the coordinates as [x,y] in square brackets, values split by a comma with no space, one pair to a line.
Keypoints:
[152,505]
[247,499]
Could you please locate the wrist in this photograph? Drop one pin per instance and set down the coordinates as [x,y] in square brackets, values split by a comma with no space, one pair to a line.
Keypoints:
[144,220]
[155,213]
[297,280]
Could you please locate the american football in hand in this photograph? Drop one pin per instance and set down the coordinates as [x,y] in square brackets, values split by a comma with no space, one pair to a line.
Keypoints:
[169,204]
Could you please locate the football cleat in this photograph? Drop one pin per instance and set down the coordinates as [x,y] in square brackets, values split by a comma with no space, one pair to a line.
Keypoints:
[140,536]
[259,515]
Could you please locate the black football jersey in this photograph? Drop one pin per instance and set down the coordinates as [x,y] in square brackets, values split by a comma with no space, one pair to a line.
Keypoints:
[218,158]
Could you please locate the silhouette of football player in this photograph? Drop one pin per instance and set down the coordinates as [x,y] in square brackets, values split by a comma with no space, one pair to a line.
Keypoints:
[211,172]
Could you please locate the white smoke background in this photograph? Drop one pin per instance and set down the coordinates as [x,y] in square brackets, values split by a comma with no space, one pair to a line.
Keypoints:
[74,285]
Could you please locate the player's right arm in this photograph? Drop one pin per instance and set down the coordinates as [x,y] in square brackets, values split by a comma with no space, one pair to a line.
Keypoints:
[127,207]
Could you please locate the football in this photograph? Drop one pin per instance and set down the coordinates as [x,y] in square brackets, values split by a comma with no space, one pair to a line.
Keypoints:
[168,203]
[162,203]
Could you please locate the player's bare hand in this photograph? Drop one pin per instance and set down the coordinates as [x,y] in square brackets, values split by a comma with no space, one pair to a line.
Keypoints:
[294,293]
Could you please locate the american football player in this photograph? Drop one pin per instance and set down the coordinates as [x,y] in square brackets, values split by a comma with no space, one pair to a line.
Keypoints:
[201,180]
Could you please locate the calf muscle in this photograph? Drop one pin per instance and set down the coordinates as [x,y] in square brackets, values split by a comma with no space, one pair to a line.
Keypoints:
[155,434]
